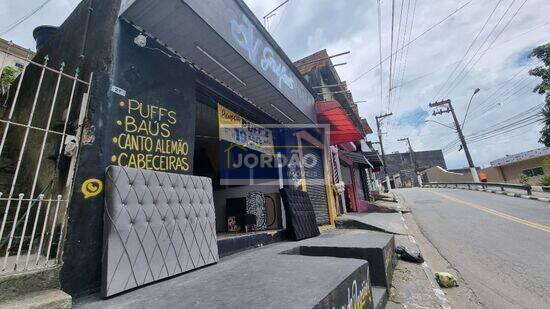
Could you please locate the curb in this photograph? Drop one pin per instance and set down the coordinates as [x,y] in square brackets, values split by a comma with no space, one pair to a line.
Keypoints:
[443,302]
[523,196]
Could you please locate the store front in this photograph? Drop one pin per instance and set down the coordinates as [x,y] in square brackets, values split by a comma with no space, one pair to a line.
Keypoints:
[180,71]
[343,135]
[356,180]
[242,72]
[376,162]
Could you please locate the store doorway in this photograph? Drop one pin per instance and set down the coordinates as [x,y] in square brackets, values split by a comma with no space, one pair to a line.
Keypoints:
[241,208]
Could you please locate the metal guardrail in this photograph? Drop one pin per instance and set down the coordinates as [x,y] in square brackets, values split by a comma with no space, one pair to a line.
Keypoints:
[483,185]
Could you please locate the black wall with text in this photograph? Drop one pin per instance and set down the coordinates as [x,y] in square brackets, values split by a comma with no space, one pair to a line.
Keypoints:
[142,114]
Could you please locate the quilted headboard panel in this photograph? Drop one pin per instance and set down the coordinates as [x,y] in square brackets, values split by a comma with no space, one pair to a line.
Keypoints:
[301,220]
[156,225]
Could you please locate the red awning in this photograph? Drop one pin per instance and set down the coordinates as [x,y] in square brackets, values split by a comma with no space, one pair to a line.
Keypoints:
[342,129]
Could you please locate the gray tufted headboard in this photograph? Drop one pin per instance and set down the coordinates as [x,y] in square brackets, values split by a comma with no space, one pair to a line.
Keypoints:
[156,225]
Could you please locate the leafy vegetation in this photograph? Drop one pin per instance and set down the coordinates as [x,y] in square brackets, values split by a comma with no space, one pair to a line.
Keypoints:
[545,181]
[9,74]
[543,53]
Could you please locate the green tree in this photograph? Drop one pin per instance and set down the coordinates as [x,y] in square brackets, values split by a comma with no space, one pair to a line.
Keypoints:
[9,74]
[543,53]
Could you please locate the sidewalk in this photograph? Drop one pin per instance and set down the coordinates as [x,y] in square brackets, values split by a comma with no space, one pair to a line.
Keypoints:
[319,271]
[414,285]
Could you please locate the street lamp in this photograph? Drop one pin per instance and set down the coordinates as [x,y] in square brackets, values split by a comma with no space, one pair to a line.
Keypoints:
[467,109]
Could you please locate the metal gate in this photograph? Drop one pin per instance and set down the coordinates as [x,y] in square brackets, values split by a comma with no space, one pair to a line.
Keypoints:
[40,127]
[315,186]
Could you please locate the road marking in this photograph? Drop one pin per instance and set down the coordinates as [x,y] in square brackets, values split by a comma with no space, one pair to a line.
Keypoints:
[534,225]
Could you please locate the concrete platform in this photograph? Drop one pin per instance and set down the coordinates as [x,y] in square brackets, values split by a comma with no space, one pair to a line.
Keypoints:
[38,288]
[383,222]
[374,247]
[42,299]
[272,277]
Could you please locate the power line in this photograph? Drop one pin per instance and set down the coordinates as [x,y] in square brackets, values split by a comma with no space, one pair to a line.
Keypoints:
[523,116]
[391,52]
[421,76]
[485,106]
[402,65]
[527,117]
[461,61]
[489,46]
[455,62]
[506,127]
[524,33]
[397,64]
[24,18]
[447,89]
[508,130]
[380,52]
[458,78]
[505,137]
[416,38]
[508,97]
[399,89]
[506,94]
[492,94]
[526,123]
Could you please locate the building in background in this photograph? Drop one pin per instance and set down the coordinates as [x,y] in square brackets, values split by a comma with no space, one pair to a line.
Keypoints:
[401,166]
[528,166]
[335,106]
[525,167]
[11,54]
[11,65]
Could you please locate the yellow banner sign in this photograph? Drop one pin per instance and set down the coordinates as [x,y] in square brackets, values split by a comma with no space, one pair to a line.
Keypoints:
[240,131]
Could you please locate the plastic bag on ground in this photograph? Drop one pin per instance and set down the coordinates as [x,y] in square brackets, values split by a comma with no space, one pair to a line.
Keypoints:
[445,280]
[409,255]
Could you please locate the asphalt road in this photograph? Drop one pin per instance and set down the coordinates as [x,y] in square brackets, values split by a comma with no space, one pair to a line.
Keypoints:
[500,245]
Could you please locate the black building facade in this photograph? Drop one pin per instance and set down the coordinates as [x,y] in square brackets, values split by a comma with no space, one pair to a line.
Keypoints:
[157,83]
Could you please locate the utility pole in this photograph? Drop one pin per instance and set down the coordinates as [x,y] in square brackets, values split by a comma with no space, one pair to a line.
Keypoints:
[451,110]
[378,125]
[413,159]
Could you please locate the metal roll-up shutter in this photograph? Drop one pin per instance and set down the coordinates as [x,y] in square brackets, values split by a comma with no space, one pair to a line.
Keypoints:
[315,185]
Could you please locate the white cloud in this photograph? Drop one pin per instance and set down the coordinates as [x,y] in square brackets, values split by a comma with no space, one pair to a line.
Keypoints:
[352,25]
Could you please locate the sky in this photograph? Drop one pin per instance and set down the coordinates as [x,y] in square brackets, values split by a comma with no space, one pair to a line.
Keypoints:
[425,71]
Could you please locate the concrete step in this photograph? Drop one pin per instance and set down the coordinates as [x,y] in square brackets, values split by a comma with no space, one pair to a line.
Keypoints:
[376,248]
[14,286]
[334,272]
[254,279]
[54,299]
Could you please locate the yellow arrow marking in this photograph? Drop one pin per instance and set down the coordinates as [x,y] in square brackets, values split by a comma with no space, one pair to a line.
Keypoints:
[534,225]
